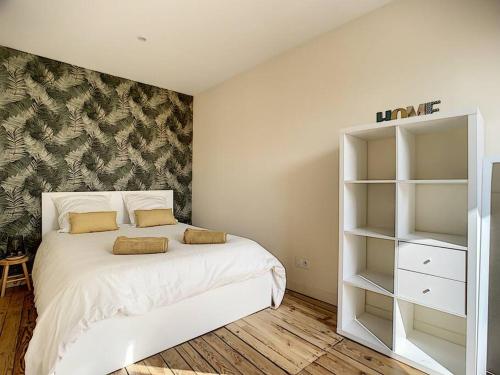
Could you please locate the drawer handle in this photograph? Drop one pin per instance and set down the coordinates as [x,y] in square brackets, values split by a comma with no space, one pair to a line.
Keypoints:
[427,261]
[425,291]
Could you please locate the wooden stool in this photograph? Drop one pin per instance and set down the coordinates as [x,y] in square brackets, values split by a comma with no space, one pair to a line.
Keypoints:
[6,279]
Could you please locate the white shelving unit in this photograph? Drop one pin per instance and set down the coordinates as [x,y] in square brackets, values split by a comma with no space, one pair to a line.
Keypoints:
[409,240]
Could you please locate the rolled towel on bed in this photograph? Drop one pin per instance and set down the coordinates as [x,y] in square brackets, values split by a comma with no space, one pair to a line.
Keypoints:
[202,236]
[140,245]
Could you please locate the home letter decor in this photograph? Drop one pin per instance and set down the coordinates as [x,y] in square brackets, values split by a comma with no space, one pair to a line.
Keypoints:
[423,109]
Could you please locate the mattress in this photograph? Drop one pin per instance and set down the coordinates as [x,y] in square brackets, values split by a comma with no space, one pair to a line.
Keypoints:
[78,281]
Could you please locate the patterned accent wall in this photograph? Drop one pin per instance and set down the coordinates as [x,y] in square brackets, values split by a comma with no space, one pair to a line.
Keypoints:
[65,128]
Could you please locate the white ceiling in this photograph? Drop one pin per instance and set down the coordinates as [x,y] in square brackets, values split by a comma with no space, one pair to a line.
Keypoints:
[191,45]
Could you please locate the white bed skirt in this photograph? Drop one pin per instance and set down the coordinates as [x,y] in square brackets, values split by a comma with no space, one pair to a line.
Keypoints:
[115,343]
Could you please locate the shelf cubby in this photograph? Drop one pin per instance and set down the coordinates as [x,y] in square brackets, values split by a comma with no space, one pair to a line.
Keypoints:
[369,263]
[433,214]
[370,155]
[368,315]
[436,150]
[369,209]
[432,338]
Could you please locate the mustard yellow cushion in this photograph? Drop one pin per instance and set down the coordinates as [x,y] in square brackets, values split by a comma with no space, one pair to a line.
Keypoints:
[203,236]
[88,222]
[140,245]
[154,217]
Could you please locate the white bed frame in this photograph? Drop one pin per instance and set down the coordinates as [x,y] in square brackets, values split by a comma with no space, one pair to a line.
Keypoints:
[118,342]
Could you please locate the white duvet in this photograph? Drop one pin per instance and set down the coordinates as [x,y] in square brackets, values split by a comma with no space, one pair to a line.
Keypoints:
[78,281]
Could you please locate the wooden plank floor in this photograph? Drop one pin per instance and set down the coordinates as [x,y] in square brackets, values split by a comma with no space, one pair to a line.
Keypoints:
[298,338]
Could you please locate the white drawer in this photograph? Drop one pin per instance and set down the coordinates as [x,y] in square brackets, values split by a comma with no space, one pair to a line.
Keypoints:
[442,294]
[432,260]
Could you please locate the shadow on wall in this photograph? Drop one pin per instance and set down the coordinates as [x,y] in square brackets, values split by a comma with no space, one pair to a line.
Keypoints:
[311,225]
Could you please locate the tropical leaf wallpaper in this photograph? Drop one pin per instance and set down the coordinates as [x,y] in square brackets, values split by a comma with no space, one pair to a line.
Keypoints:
[65,128]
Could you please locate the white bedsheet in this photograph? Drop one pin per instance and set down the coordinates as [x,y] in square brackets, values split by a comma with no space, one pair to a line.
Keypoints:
[78,281]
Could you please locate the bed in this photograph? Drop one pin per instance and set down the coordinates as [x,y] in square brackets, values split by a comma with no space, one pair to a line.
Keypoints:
[98,312]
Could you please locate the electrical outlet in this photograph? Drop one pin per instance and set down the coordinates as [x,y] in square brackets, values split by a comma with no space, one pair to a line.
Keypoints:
[302,263]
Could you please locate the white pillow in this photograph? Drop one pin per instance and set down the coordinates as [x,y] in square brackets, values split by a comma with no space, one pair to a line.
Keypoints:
[79,203]
[138,201]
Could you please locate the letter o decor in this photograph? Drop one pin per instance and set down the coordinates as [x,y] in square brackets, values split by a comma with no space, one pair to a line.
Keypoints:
[395,113]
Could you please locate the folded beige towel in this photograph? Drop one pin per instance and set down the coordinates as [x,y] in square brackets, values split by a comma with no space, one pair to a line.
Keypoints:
[202,236]
[140,245]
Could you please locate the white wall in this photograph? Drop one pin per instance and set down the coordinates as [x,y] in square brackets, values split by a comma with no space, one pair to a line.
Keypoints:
[266,141]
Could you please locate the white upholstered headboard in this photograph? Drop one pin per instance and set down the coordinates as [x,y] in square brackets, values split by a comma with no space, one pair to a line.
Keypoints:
[49,211]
